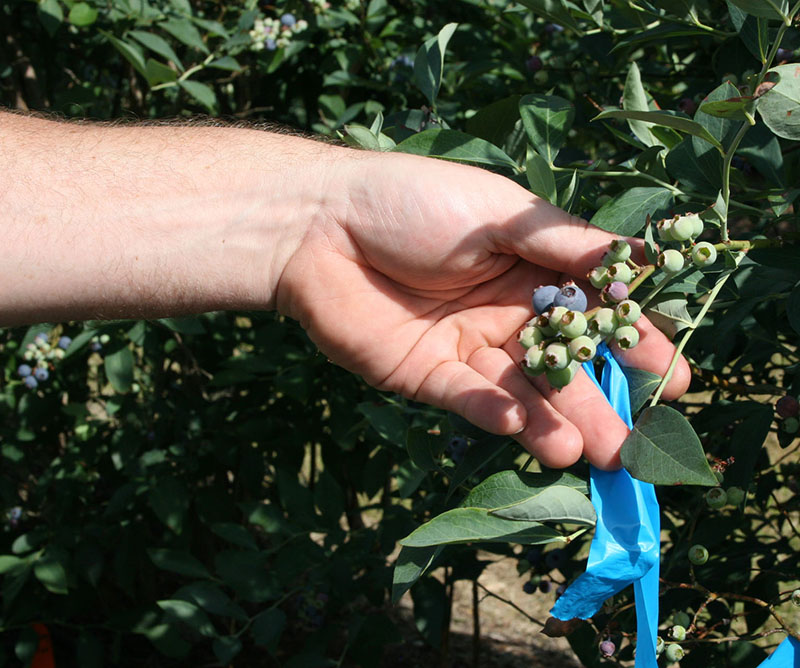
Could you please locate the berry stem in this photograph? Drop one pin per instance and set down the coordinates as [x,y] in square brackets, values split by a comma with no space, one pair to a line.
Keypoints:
[691,329]
[747,244]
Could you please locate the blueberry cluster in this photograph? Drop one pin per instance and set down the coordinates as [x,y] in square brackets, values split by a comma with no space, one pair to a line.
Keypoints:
[563,335]
[41,354]
[271,33]
[540,562]
[684,229]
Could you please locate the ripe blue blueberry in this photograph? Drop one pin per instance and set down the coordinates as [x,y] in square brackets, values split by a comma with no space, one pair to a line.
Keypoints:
[787,406]
[545,586]
[30,382]
[95,346]
[270,44]
[529,587]
[572,297]
[288,20]
[688,106]
[555,558]
[607,648]
[784,55]
[64,342]
[41,373]
[24,370]
[534,555]
[543,298]
[534,64]
[41,336]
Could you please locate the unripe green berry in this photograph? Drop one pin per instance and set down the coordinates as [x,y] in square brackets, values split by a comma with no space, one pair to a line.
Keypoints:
[523,566]
[559,378]
[716,498]
[556,356]
[620,250]
[698,555]
[791,425]
[678,632]
[626,337]
[664,228]
[530,336]
[671,261]
[619,271]
[599,277]
[796,597]
[627,312]
[673,652]
[660,644]
[682,228]
[572,324]
[534,361]
[681,618]
[704,254]
[604,322]
[735,496]
[549,320]
[699,226]
[582,349]
[541,77]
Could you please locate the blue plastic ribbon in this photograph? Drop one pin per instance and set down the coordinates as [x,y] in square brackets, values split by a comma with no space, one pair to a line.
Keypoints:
[626,545]
[787,655]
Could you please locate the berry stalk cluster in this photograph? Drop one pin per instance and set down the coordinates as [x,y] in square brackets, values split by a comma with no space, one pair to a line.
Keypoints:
[563,335]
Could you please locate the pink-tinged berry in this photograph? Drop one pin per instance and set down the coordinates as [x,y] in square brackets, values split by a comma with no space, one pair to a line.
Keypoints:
[607,648]
[786,407]
[534,64]
[614,292]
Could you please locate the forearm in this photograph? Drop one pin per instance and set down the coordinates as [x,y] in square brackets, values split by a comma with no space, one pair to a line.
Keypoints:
[133,221]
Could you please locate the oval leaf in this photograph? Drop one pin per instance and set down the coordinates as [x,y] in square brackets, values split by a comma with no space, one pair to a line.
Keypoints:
[455,145]
[664,450]
[547,120]
[780,106]
[627,213]
[669,119]
[552,504]
[119,369]
[468,525]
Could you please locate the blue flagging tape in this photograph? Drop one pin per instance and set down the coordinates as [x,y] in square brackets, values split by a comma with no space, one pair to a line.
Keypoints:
[626,545]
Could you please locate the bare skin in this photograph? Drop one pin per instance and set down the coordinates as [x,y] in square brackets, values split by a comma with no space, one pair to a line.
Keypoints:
[412,272]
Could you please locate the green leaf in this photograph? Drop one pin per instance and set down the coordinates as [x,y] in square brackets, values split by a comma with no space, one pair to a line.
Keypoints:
[228,63]
[169,499]
[50,571]
[201,92]
[507,488]
[82,14]
[267,626]
[670,315]
[768,9]
[780,106]
[551,504]
[212,599]
[540,177]
[555,10]
[411,564]
[158,73]
[547,120]
[663,449]
[429,63]
[177,561]
[641,384]
[184,31]
[723,129]
[387,420]
[634,98]
[468,525]
[569,194]
[495,122]
[362,136]
[478,454]
[236,534]
[119,369]
[247,573]
[455,145]
[424,448]
[747,441]
[157,44]
[50,15]
[732,108]
[131,52]
[627,213]
[226,648]
[188,613]
[670,119]
[793,308]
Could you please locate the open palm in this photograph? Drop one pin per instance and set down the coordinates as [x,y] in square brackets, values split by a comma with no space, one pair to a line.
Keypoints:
[420,282]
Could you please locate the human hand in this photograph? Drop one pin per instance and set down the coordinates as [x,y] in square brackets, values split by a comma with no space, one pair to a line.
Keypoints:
[421,282]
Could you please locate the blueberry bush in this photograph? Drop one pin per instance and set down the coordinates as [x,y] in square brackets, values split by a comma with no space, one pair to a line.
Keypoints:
[211,491]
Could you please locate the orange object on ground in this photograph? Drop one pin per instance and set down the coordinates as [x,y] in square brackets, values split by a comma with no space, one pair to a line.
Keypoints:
[44,652]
